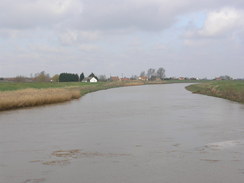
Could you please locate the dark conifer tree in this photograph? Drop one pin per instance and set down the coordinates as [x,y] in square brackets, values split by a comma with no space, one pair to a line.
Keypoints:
[82,76]
[68,77]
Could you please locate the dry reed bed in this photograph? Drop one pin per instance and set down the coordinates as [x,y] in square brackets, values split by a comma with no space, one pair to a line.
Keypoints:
[35,97]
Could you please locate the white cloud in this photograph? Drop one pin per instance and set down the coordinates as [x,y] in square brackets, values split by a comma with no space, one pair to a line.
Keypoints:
[222,21]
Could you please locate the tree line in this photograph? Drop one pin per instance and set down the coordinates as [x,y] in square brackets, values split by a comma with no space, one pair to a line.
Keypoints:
[45,77]
[70,77]
[153,74]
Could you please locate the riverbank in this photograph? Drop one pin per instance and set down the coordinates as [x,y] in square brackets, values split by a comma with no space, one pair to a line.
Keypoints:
[231,90]
[20,95]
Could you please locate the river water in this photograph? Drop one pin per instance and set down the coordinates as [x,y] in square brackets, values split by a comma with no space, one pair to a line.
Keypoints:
[141,134]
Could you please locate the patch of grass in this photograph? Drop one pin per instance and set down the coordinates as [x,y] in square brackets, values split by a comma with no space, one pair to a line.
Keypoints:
[10,86]
[232,90]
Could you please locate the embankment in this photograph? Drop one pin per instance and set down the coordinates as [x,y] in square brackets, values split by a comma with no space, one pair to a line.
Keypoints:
[231,90]
[20,95]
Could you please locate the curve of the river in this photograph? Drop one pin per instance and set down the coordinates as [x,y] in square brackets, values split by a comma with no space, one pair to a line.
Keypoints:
[142,134]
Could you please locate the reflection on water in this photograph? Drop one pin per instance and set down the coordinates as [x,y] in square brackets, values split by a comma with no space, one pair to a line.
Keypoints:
[158,133]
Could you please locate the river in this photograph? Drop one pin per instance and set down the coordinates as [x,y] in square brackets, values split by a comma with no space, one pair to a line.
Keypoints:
[141,134]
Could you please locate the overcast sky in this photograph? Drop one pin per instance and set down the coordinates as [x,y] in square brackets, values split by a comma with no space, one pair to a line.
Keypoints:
[200,38]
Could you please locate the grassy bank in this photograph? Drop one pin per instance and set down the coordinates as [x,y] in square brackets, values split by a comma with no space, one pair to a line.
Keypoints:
[19,95]
[231,90]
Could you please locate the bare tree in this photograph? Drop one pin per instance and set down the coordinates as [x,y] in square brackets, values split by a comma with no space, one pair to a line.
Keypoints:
[55,78]
[19,79]
[161,73]
[225,77]
[143,73]
[150,73]
[42,77]
[102,78]
[133,77]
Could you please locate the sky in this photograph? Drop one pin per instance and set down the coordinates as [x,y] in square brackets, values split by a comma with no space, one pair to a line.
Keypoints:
[190,38]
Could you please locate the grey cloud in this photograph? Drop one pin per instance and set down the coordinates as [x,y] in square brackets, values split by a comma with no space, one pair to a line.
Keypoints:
[113,15]
[104,33]
[145,15]
[27,14]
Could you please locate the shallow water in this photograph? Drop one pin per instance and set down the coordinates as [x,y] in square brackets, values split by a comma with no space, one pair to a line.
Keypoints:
[156,133]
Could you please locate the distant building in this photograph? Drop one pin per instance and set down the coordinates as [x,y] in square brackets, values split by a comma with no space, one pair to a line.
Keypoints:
[181,78]
[218,79]
[125,79]
[90,80]
[158,79]
[223,78]
[114,78]
[143,78]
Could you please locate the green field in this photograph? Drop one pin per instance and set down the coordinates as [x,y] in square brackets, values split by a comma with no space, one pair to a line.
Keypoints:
[9,86]
[231,89]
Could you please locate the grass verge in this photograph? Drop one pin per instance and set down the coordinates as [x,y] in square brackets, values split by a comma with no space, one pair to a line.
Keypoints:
[231,90]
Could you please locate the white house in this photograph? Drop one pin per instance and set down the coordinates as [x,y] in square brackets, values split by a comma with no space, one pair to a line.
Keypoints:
[93,80]
[90,80]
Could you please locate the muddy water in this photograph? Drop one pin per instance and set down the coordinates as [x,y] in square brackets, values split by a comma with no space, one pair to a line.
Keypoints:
[159,133]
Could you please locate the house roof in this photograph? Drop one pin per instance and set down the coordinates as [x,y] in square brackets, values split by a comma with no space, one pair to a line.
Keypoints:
[125,79]
[114,78]
[88,78]
[143,77]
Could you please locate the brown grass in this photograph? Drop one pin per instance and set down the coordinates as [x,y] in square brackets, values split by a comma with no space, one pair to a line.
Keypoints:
[35,97]
[29,97]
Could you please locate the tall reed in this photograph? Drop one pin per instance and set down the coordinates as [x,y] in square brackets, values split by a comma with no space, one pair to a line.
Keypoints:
[35,97]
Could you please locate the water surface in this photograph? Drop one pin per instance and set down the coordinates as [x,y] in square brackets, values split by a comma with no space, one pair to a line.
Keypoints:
[156,133]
